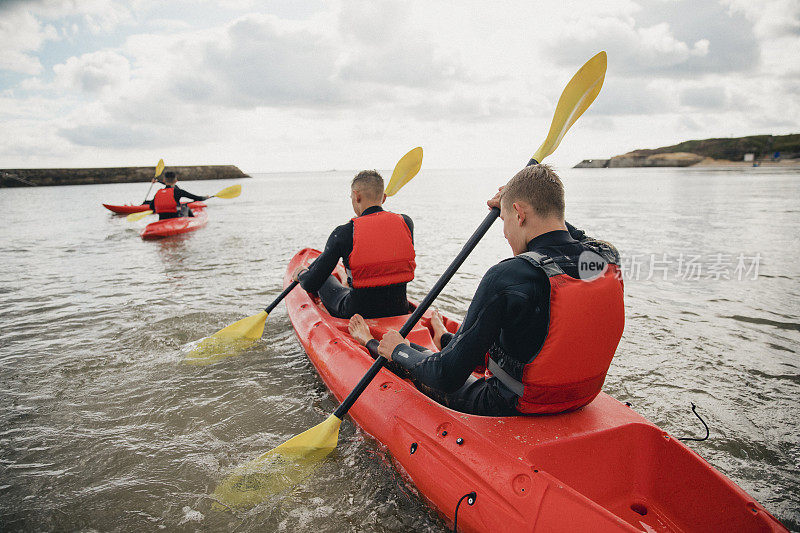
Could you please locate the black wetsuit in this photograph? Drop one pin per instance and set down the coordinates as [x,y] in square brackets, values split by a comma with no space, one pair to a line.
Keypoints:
[179,193]
[510,311]
[342,301]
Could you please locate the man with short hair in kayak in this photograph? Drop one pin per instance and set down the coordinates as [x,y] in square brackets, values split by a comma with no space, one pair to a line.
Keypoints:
[543,326]
[167,201]
[377,249]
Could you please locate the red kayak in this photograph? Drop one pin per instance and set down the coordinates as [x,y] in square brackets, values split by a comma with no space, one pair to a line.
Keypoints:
[127,209]
[176,226]
[601,468]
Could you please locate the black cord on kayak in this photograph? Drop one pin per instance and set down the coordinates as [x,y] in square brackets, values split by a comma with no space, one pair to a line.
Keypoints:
[471,497]
[694,410]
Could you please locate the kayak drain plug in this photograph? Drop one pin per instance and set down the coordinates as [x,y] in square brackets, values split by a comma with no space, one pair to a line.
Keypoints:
[460,441]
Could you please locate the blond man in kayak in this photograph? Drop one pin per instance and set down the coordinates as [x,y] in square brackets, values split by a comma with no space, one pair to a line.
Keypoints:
[542,327]
[377,249]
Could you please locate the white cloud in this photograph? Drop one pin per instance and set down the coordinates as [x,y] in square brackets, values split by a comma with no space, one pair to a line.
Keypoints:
[93,72]
[22,36]
[634,50]
[332,84]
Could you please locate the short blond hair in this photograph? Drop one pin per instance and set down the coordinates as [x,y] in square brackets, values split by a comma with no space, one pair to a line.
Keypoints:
[369,183]
[540,187]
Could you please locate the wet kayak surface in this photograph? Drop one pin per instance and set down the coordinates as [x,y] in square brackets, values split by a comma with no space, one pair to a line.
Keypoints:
[103,427]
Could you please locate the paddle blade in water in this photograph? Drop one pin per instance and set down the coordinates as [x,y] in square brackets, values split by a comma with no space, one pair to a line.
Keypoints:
[133,217]
[159,167]
[228,341]
[578,95]
[229,192]
[279,469]
[404,170]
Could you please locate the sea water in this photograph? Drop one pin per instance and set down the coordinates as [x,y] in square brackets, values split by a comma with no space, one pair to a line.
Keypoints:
[103,427]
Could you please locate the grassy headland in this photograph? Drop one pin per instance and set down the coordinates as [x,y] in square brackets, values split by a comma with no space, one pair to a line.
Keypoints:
[707,151]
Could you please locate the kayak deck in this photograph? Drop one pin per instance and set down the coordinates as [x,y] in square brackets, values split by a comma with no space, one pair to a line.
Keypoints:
[175,226]
[127,209]
[601,468]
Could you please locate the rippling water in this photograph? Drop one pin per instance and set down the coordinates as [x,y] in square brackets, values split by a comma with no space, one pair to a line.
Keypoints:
[102,427]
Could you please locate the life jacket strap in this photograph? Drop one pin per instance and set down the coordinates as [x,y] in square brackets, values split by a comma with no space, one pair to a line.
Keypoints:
[505,378]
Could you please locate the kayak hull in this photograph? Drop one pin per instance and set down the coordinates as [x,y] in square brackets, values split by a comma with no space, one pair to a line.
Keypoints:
[127,209]
[175,226]
[601,468]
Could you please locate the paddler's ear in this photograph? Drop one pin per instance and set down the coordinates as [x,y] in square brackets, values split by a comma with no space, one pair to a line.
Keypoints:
[384,199]
[519,210]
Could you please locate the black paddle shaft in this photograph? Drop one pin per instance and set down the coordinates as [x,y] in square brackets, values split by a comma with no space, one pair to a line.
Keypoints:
[420,310]
[280,297]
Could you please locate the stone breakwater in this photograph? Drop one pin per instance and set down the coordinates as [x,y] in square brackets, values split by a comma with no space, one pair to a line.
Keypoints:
[89,176]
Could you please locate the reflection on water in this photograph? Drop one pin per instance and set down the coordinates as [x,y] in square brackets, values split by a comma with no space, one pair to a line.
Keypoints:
[103,426]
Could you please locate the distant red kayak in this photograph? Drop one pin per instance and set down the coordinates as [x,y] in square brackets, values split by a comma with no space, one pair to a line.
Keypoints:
[127,209]
[176,226]
[603,468]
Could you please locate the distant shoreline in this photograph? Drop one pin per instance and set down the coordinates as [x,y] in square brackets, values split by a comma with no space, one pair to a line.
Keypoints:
[31,177]
[754,151]
[708,163]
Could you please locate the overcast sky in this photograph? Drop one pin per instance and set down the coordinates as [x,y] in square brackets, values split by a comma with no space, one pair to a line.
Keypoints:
[290,85]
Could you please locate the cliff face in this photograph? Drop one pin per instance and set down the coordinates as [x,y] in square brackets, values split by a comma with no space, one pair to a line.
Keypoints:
[635,159]
[90,176]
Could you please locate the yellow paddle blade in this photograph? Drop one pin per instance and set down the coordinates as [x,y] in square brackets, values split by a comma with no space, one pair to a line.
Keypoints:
[578,95]
[159,167]
[228,341]
[278,469]
[229,192]
[133,217]
[404,170]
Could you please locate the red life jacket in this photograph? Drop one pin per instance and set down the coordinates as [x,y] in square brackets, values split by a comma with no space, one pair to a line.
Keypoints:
[383,251]
[164,201]
[585,326]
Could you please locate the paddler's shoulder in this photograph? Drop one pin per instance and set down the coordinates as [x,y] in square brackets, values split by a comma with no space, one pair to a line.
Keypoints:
[511,273]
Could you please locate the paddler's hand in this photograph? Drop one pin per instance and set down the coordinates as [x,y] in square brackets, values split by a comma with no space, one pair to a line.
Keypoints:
[359,330]
[494,201]
[389,342]
[298,272]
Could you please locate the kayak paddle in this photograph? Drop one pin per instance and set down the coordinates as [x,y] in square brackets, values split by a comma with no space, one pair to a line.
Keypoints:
[247,330]
[251,482]
[227,193]
[159,170]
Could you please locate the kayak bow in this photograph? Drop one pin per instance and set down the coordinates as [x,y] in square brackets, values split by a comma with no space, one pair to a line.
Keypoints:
[175,226]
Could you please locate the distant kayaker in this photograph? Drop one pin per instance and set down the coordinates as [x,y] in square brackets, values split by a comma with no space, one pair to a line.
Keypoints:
[377,249]
[543,326]
[167,202]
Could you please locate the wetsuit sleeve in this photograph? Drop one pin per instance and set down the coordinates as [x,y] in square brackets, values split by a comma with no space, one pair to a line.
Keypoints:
[180,193]
[323,266]
[410,224]
[449,369]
